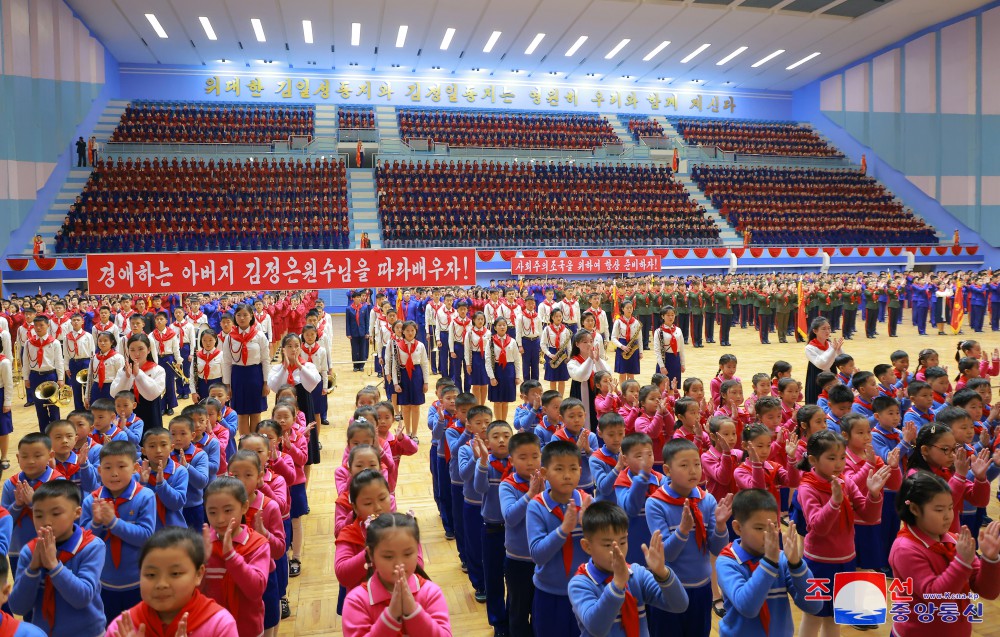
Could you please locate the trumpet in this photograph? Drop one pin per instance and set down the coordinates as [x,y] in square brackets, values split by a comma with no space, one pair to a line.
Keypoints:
[179,370]
[50,392]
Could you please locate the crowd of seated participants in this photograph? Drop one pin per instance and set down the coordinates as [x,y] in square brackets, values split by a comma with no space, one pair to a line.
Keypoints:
[784,206]
[507,130]
[204,123]
[133,205]
[755,137]
[356,117]
[495,204]
[643,126]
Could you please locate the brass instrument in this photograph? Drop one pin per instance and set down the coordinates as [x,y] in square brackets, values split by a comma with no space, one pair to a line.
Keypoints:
[50,392]
[16,375]
[561,356]
[633,345]
[179,370]
[331,382]
[82,376]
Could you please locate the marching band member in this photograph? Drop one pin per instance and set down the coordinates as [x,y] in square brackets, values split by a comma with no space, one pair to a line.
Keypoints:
[668,347]
[167,346]
[104,366]
[556,345]
[445,314]
[206,365]
[570,307]
[626,333]
[460,325]
[105,323]
[78,349]
[503,366]
[245,366]
[527,333]
[185,338]
[42,358]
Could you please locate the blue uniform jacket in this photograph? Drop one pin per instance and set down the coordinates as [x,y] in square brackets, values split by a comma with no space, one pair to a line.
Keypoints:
[546,540]
[598,606]
[135,522]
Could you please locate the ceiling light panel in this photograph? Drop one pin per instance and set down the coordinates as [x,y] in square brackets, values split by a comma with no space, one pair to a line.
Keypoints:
[492,41]
[767,59]
[695,53]
[730,57]
[446,41]
[401,36]
[207,25]
[534,44]
[258,29]
[576,46]
[618,47]
[153,22]
[307,31]
[802,61]
[659,47]
[355,33]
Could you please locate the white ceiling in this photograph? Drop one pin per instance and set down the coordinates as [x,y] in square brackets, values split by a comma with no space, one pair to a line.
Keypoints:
[122,27]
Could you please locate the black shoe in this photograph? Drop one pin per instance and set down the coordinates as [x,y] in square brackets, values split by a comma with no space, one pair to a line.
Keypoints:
[465,569]
[481,597]
[27,404]
[294,567]
[169,412]
[326,423]
[449,536]
[719,608]
[286,608]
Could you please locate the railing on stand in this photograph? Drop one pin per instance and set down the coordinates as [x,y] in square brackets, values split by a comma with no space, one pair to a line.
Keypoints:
[358,134]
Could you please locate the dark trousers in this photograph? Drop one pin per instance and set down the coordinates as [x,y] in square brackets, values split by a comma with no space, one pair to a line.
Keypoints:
[472,520]
[520,594]
[117,602]
[529,360]
[359,352]
[647,323]
[81,159]
[458,373]
[871,318]
[444,362]
[977,315]
[75,365]
[493,573]
[765,328]
[850,323]
[184,389]
[46,412]
[696,325]
[744,314]
[920,318]
[443,493]
[881,310]
[893,322]
[725,324]
[684,322]
[458,519]
[710,327]
[696,621]
[170,397]
[781,325]
[552,616]
[995,315]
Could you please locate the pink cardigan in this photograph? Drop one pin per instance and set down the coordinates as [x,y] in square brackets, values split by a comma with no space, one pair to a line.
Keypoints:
[856,470]
[718,471]
[715,387]
[249,572]
[282,464]
[220,624]
[607,403]
[275,487]
[342,475]
[399,446]
[975,493]
[820,544]
[366,611]
[659,427]
[932,574]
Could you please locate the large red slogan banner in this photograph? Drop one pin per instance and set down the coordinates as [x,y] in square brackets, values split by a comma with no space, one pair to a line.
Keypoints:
[161,273]
[535,266]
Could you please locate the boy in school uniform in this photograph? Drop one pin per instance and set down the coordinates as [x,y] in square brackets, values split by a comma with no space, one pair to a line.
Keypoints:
[607,461]
[78,349]
[106,423]
[230,418]
[937,378]
[204,440]
[756,575]
[492,467]
[551,403]
[609,595]
[42,358]
[84,423]
[455,436]
[529,413]
[59,572]
[75,467]
[468,455]
[528,332]
[635,483]
[124,406]
[692,525]
[445,315]
[33,454]
[573,416]
[8,624]
[167,479]
[840,401]
[866,386]
[921,397]
[522,483]
[439,419]
[187,455]
[554,535]
[123,514]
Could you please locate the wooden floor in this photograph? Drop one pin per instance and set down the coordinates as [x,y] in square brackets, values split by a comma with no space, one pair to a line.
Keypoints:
[313,595]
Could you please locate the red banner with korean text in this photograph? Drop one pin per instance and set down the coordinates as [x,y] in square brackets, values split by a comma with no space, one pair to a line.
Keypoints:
[559,266]
[176,272]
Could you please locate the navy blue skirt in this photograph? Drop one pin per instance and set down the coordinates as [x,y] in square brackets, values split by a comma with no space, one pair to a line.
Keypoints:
[412,387]
[7,419]
[868,546]
[248,387]
[506,390]
[626,366]
[319,399]
[98,391]
[670,366]
[559,374]
[478,375]
[203,385]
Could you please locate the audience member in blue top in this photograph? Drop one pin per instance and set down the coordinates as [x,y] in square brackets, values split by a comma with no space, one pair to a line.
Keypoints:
[551,402]
[921,401]
[756,576]
[609,595]
[517,490]
[607,461]
[528,414]
[886,434]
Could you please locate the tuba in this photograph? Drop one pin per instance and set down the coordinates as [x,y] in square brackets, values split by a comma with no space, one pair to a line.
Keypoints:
[561,356]
[633,346]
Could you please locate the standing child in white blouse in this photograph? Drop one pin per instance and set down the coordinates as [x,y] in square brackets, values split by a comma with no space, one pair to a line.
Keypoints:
[315,353]
[78,349]
[145,379]
[166,341]
[409,375]
[245,366]
[104,366]
[503,366]
[206,365]
[476,341]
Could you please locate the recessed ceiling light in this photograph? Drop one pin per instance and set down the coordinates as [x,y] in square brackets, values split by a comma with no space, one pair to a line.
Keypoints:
[626,77]
[355,33]
[576,45]
[209,31]
[401,36]
[491,42]
[652,54]
[395,66]
[224,61]
[258,29]
[534,44]
[307,31]
[695,53]
[767,59]
[446,41]
[156,25]
[593,75]
[353,64]
[802,61]
[516,71]
[731,56]
[618,47]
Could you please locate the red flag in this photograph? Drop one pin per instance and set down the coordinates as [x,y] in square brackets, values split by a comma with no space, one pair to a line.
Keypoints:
[677,161]
[800,316]
[957,310]
[399,305]
[614,296]
[864,165]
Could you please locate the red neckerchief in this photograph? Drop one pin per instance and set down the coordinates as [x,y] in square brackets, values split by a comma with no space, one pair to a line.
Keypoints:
[900,376]
[230,587]
[309,352]
[206,360]
[605,456]
[357,313]
[596,312]
[409,349]
[8,625]
[98,438]
[163,337]
[259,318]
[629,609]
[195,317]
[582,360]
[353,534]
[673,339]
[59,325]
[752,564]
[859,401]
[556,509]
[482,339]
[40,346]
[531,317]
[513,479]
[628,327]
[115,542]
[503,466]
[562,434]
[68,468]
[844,378]
[319,329]
[820,346]
[73,337]
[927,417]
[693,500]
[945,549]
[824,394]
[64,555]
[846,517]
[199,609]
[104,327]
[502,345]
[101,367]
[180,331]
[624,479]
[570,304]
[148,365]
[243,340]
[888,435]
[154,478]
[939,398]
[291,371]
[558,331]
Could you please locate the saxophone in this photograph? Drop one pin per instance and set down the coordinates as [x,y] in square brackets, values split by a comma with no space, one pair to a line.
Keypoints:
[633,346]
[561,356]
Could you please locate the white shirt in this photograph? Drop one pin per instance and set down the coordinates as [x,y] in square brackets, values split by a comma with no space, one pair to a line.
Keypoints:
[570,309]
[5,345]
[419,358]
[52,358]
[60,327]
[526,327]
[493,350]
[821,359]
[603,326]
[150,383]
[24,333]
[445,314]
[661,343]
[305,374]
[106,327]
[167,347]
[509,313]
[581,372]
[317,358]
[185,331]
[623,331]
[492,312]
[473,342]
[545,311]
[430,317]
[78,345]
[258,351]
[198,367]
[264,324]
[382,334]
[112,366]
[7,381]
[121,320]
[553,339]
[457,330]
